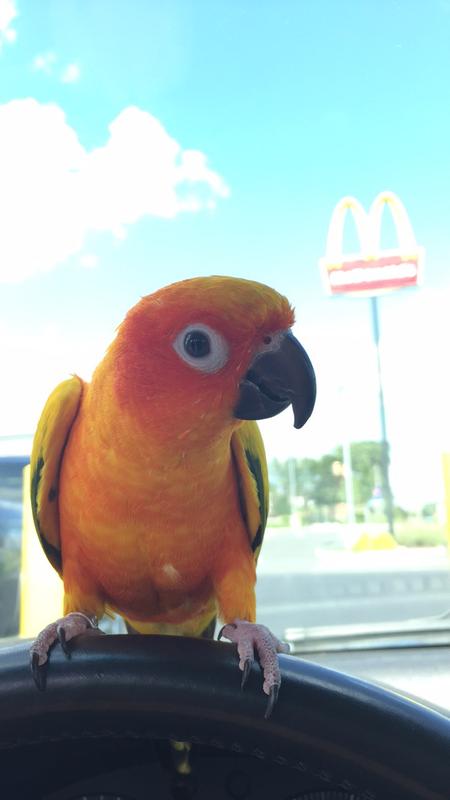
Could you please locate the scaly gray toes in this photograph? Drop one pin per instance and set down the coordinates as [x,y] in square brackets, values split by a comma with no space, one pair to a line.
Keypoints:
[62,631]
[254,639]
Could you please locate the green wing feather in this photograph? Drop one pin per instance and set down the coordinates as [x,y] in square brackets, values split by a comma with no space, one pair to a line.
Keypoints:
[49,442]
[251,468]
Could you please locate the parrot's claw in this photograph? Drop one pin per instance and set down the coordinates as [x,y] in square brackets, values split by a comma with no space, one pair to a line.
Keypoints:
[248,636]
[61,634]
[246,671]
[273,697]
[62,631]
[221,632]
[39,671]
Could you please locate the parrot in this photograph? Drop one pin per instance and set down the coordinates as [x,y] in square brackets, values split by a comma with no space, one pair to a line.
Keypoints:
[149,483]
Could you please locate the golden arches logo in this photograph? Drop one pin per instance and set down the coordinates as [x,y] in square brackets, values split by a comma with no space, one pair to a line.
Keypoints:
[372,270]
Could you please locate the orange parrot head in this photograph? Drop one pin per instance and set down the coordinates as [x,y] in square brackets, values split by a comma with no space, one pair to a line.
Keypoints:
[210,352]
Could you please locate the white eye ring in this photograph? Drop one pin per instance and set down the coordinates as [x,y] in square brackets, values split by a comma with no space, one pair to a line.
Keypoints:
[212,361]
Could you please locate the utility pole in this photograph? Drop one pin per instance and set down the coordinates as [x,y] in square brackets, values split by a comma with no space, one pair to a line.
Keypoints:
[292,482]
[347,460]
[386,486]
[348,478]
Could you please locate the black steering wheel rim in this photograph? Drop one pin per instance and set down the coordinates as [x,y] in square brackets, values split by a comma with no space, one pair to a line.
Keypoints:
[375,742]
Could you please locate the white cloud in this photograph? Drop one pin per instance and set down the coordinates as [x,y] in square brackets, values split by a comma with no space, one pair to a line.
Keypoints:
[8,13]
[89,260]
[44,62]
[71,74]
[53,191]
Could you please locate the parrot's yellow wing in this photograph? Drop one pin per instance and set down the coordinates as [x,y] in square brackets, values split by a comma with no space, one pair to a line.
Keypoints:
[251,468]
[49,442]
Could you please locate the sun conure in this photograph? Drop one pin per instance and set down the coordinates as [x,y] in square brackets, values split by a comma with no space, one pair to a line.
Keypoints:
[149,483]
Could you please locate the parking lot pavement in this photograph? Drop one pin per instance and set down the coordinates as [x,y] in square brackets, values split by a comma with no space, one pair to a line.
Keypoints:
[301,582]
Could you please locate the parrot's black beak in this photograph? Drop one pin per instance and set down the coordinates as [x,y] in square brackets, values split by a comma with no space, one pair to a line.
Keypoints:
[277,379]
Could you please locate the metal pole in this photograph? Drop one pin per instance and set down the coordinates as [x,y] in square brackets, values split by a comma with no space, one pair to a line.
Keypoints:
[348,478]
[292,482]
[386,486]
[347,461]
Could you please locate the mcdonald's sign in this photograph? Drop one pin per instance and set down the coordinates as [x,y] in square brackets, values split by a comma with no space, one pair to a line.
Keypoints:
[372,271]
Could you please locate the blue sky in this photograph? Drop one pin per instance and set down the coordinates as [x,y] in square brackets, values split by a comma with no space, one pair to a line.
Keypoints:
[292,105]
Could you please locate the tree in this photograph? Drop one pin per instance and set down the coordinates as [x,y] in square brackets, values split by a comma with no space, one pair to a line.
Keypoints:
[315,481]
[321,481]
[367,459]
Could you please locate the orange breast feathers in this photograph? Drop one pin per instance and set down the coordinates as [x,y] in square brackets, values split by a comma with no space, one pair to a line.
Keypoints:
[148,533]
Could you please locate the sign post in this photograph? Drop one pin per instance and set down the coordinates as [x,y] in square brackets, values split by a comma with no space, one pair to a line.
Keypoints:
[386,484]
[370,273]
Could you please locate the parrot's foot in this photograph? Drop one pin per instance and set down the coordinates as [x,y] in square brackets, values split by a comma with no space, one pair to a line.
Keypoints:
[62,631]
[248,636]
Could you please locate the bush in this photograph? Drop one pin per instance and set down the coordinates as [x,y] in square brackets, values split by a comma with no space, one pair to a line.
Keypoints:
[420,536]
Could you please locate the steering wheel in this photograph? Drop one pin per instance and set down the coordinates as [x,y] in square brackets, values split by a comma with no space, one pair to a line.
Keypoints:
[372,742]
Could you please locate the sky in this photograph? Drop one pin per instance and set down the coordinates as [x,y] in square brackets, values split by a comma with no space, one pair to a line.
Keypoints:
[146,142]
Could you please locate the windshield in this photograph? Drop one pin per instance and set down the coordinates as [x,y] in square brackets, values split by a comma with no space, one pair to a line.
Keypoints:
[300,144]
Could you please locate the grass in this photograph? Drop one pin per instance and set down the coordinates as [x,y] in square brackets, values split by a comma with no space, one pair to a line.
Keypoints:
[415,534]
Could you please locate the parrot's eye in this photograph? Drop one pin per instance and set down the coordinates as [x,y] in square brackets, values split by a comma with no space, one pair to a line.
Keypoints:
[202,347]
[197,344]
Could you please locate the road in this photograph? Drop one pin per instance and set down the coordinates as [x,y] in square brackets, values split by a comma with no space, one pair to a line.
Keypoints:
[303,584]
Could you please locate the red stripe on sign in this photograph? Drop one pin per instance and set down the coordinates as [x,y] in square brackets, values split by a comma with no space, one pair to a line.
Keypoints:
[390,272]
[354,288]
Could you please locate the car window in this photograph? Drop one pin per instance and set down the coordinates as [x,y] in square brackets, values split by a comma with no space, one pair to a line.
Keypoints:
[300,144]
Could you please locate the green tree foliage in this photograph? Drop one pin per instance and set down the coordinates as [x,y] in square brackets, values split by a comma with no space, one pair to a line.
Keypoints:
[366,460]
[279,502]
[320,482]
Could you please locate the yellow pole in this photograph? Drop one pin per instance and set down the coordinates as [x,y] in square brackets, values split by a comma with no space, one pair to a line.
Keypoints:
[41,589]
[446,471]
